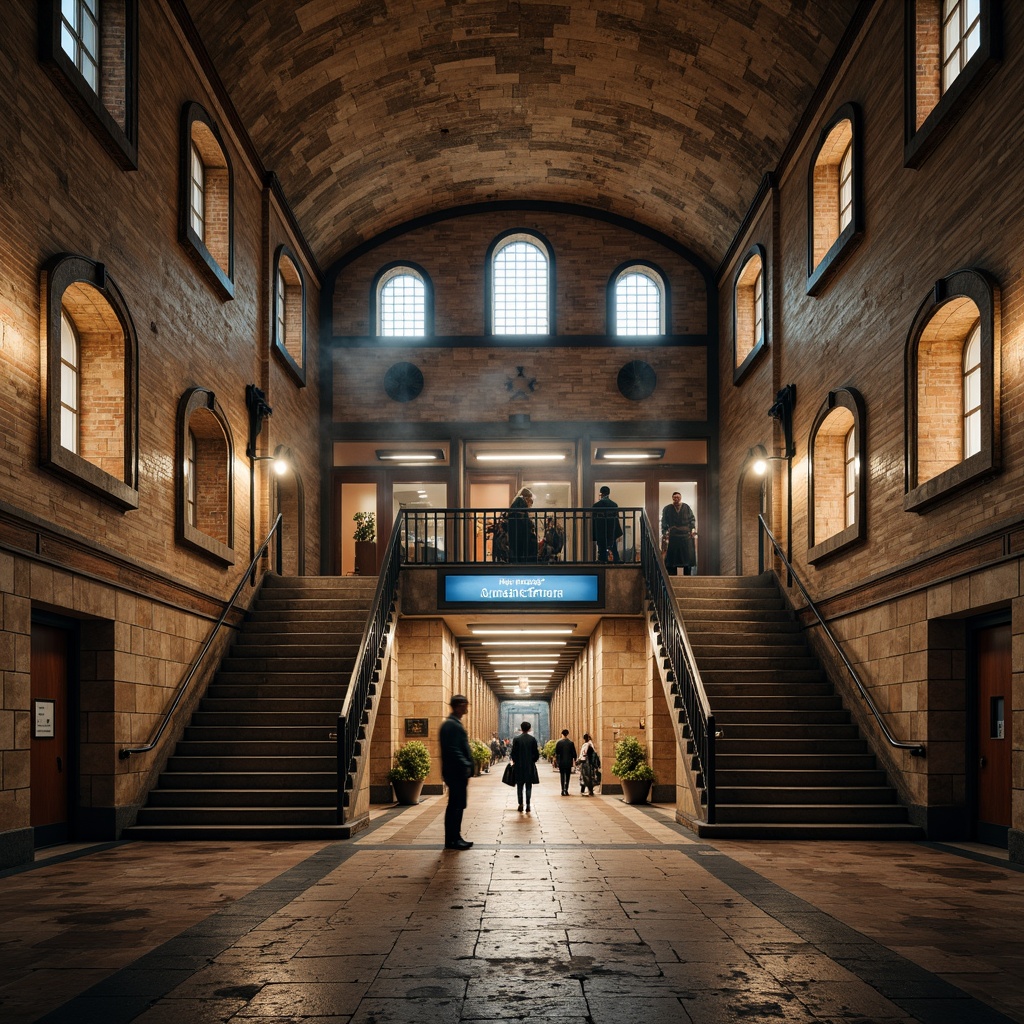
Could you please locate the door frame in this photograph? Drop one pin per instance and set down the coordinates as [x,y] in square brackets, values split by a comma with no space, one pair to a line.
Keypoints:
[982,832]
[61,832]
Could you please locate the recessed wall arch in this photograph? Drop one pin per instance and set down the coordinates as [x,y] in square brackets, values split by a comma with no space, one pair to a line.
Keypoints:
[204,474]
[753,498]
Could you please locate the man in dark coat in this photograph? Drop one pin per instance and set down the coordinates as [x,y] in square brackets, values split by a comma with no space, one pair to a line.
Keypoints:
[565,758]
[456,770]
[678,528]
[525,754]
[607,528]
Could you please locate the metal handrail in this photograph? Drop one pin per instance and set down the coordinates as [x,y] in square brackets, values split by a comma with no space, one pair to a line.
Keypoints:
[916,749]
[365,668]
[126,752]
[682,662]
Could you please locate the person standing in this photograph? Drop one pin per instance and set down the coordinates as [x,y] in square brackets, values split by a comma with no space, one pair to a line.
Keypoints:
[522,531]
[607,528]
[565,757]
[590,765]
[678,528]
[525,755]
[456,770]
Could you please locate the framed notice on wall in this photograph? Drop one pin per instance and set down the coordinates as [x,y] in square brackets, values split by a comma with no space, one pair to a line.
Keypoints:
[416,727]
[43,719]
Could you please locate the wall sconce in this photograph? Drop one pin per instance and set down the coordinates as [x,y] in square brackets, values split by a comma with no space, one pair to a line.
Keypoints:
[259,410]
[782,410]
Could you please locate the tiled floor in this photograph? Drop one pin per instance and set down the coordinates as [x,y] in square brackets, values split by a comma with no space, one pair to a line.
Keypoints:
[586,910]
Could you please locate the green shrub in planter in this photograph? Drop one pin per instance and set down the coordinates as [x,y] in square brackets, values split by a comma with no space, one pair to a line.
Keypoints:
[480,751]
[548,750]
[631,761]
[411,764]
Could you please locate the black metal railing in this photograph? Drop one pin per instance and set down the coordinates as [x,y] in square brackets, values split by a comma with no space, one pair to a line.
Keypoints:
[249,575]
[916,749]
[682,664]
[365,672]
[547,536]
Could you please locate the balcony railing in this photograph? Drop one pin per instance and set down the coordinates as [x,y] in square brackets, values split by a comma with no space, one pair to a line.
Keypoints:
[568,536]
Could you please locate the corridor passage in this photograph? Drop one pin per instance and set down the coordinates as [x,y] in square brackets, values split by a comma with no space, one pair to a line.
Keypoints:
[586,910]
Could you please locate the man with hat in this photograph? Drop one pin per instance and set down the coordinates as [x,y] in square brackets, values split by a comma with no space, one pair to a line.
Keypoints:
[607,528]
[456,770]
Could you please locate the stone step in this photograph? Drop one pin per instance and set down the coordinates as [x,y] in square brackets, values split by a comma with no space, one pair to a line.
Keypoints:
[255,780]
[792,691]
[809,778]
[827,831]
[284,732]
[255,749]
[795,660]
[265,706]
[862,760]
[775,703]
[227,833]
[195,815]
[307,618]
[238,798]
[755,747]
[812,813]
[725,617]
[738,639]
[284,686]
[773,718]
[322,641]
[208,764]
[739,677]
[289,664]
[822,794]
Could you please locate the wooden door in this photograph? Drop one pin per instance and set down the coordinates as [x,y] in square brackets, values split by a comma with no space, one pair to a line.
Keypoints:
[50,783]
[994,740]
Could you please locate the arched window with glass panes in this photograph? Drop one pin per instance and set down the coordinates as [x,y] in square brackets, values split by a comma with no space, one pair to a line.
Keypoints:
[639,302]
[520,285]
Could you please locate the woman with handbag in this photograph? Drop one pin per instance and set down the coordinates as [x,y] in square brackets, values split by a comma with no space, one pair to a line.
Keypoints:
[589,765]
[525,755]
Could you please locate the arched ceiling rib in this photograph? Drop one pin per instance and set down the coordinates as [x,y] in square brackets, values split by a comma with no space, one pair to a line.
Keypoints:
[373,113]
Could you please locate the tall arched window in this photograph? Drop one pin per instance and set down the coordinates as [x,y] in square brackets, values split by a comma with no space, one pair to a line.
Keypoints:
[961,37]
[834,208]
[206,198]
[401,304]
[836,493]
[289,331]
[70,383]
[952,388]
[520,285]
[640,302]
[971,368]
[89,367]
[749,312]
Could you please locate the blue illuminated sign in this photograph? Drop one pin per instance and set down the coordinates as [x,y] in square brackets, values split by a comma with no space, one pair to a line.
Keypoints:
[521,588]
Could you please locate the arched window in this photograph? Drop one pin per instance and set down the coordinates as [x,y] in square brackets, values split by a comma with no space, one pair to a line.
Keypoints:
[70,381]
[971,366]
[90,48]
[90,376]
[834,209]
[836,492]
[749,312]
[401,304]
[520,285]
[952,385]
[961,37]
[952,49]
[205,517]
[205,198]
[640,301]
[289,301]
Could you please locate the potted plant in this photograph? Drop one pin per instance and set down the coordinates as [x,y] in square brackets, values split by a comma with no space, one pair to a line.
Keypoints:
[481,755]
[548,751]
[410,767]
[365,537]
[632,770]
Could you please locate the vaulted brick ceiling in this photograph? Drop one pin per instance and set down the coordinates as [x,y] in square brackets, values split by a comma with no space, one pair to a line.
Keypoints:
[374,112]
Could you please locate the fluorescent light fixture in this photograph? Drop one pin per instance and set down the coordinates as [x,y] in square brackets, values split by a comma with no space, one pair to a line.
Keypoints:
[514,457]
[629,454]
[522,643]
[410,455]
[521,630]
[522,661]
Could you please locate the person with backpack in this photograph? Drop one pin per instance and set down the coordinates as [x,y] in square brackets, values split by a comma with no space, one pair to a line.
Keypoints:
[589,765]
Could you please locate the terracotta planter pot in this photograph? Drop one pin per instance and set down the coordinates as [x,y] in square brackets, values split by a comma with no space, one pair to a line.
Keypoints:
[408,793]
[636,792]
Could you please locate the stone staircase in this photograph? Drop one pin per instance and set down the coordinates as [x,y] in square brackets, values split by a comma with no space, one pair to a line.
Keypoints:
[257,760]
[790,763]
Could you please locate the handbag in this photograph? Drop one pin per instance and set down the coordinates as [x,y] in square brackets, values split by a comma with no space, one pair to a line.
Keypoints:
[508,776]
